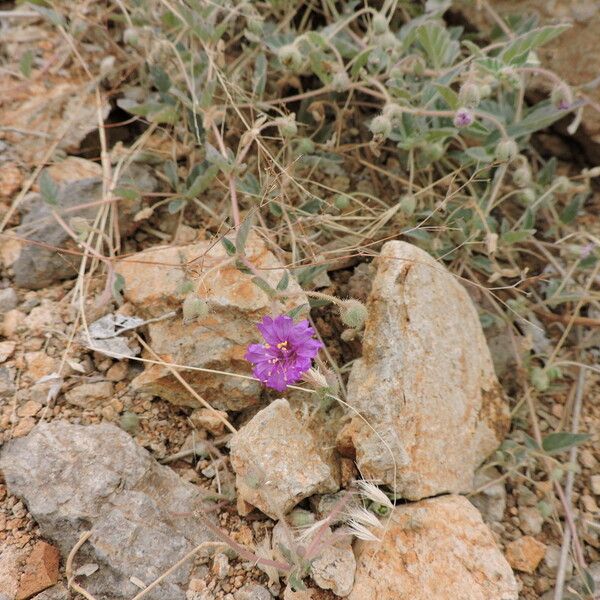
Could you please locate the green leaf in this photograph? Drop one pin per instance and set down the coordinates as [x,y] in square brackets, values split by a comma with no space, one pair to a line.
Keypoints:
[528,219]
[561,441]
[297,310]
[259,78]
[479,154]
[117,288]
[317,61]
[170,169]
[127,193]
[263,285]
[448,94]
[161,80]
[243,232]
[248,185]
[439,47]
[307,274]
[229,246]
[185,287]
[541,117]
[283,282]
[514,237]
[517,50]
[48,188]
[202,181]
[572,209]
[176,205]
[167,115]
[54,17]
[547,173]
[214,157]
[26,63]
[360,61]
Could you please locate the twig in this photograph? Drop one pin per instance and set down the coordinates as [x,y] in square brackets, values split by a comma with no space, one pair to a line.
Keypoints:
[71,583]
[566,543]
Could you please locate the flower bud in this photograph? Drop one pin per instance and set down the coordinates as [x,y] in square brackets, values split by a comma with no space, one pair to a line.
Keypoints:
[287,125]
[463,118]
[340,81]
[506,150]
[562,184]
[341,201]
[510,77]
[469,95]
[255,24]
[305,146]
[408,203]
[381,126]
[485,90]
[433,151]
[528,195]
[562,97]
[353,313]
[522,176]
[131,37]
[289,56]
[107,64]
[393,112]
[194,308]
[387,40]
[379,24]
[419,66]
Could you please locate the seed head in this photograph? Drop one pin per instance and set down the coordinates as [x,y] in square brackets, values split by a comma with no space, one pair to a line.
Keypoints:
[353,313]
[562,96]
[379,24]
[381,127]
[506,150]
[469,95]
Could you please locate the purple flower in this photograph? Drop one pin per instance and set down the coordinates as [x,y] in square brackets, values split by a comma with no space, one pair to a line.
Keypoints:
[287,353]
[463,117]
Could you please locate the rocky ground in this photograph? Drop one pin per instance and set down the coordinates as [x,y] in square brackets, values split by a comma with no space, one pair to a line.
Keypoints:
[114,469]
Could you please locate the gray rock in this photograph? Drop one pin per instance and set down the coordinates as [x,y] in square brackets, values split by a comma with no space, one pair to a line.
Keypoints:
[90,394]
[8,300]
[335,567]
[36,266]
[530,520]
[95,478]
[425,383]
[56,592]
[491,501]
[7,385]
[252,591]
[276,461]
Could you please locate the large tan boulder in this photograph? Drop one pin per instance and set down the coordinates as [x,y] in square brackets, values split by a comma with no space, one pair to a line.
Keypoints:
[158,280]
[437,548]
[425,383]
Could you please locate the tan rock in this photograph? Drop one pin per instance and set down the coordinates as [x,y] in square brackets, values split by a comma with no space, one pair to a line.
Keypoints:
[13,319]
[335,567]
[425,383]
[43,317]
[118,371]
[29,409]
[525,554]
[203,418]
[574,55]
[6,350]
[23,427]
[41,570]
[437,548]
[11,560]
[89,394]
[595,483]
[153,283]
[74,168]
[276,461]
[39,364]
[11,179]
